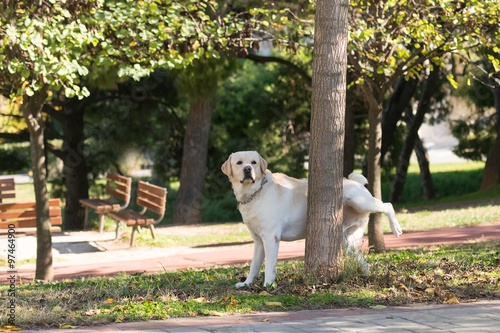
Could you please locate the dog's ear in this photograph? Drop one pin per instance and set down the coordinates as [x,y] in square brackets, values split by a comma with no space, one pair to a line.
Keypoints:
[263,165]
[226,167]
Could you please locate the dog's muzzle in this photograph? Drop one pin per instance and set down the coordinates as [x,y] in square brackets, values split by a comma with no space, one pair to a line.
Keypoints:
[247,174]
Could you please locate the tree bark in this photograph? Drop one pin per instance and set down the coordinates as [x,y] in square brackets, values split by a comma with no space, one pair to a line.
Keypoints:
[399,100]
[75,169]
[187,209]
[491,174]
[404,159]
[349,141]
[425,173]
[323,255]
[375,229]
[32,108]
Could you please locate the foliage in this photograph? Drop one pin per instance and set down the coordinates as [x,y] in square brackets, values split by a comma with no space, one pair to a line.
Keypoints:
[394,38]
[14,158]
[264,109]
[476,132]
[466,272]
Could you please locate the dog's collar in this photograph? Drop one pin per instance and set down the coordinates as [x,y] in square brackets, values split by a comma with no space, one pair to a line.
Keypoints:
[251,197]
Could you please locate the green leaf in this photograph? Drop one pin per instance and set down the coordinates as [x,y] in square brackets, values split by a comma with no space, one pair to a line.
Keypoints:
[452,81]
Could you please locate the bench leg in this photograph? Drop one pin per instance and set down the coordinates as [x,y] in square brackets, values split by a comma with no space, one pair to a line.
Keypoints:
[132,238]
[152,228]
[101,223]
[86,221]
[118,224]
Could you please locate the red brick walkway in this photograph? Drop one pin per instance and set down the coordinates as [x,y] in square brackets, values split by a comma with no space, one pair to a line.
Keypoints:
[243,254]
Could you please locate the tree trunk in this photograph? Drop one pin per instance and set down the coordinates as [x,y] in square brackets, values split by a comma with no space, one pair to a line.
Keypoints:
[187,208]
[404,159]
[425,172]
[400,99]
[349,142]
[375,229]
[323,255]
[491,174]
[75,170]
[32,108]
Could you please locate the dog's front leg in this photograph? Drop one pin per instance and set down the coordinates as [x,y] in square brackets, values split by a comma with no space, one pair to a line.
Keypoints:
[271,247]
[258,258]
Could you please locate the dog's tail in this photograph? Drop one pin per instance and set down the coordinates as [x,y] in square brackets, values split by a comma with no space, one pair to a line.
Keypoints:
[357,177]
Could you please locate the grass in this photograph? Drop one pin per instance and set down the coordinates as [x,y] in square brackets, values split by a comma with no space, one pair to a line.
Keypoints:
[438,274]
[427,275]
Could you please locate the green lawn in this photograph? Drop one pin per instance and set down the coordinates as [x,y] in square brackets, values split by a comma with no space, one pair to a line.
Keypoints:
[450,273]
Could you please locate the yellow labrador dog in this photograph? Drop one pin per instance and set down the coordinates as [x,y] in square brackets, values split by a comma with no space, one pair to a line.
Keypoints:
[274,208]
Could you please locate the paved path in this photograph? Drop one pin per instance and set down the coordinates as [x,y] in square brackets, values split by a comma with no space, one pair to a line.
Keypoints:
[101,263]
[476,317]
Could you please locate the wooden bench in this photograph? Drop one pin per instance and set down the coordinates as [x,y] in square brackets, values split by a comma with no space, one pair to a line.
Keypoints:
[150,197]
[22,216]
[117,187]
[7,189]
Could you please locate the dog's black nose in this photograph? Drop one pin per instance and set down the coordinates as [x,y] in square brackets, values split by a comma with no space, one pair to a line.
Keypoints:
[247,169]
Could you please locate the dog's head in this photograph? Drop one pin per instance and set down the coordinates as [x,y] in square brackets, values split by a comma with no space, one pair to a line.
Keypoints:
[245,167]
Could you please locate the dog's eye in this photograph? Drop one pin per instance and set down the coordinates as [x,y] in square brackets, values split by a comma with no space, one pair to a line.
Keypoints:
[239,162]
[253,162]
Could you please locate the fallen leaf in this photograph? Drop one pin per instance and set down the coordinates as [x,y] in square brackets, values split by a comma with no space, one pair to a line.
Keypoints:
[215,313]
[273,304]
[264,293]
[293,267]
[109,300]
[452,300]
[91,312]
[64,326]
[57,309]
[378,307]
[9,329]
[200,300]
[265,320]
[234,301]
[402,287]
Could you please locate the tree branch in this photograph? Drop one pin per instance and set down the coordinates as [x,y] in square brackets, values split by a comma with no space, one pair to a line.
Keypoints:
[17,137]
[261,59]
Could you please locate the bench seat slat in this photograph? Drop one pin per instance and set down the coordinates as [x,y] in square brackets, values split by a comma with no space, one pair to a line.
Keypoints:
[28,223]
[30,230]
[25,205]
[157,190]
[26,214]
[101,206]
[131,217]
[120,179]
[118,194]
[7,195]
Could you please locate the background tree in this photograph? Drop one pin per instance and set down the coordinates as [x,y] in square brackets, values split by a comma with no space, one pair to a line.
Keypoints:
[47,46]
[324,207]
[478,134]
[391,39]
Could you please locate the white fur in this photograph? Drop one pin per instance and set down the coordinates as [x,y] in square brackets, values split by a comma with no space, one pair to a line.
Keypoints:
[279,210]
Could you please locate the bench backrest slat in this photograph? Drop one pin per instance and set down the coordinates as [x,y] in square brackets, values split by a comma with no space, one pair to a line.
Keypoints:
[119,186]
[7,188]
[24,214]
[152,197]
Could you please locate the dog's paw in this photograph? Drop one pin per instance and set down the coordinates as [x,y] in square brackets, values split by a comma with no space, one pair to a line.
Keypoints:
[396,230]
[242,284]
